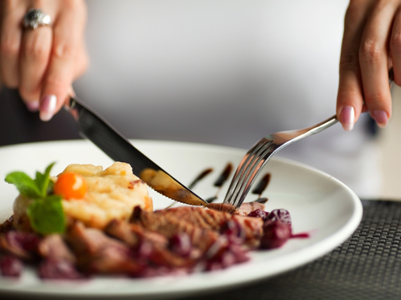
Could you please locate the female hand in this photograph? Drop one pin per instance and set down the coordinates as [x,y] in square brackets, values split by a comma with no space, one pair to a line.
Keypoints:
[42,63]
[371,46]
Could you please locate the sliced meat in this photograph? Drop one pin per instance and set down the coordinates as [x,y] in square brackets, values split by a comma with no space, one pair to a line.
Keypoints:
[152,237]
[202,225]
[163,257]
[98,253]
[252,229]
[148,245]
[248,207]
[202,218]
[53,247]
[222,207]
[122,231]
[168,224]
[133,234]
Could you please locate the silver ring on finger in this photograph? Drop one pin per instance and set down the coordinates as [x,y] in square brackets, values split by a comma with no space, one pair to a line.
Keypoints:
[35,18]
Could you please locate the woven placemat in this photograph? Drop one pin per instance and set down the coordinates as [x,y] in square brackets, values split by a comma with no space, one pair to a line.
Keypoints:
[366,266]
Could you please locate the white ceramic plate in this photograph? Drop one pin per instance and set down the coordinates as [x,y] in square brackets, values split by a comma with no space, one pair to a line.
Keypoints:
[318,203]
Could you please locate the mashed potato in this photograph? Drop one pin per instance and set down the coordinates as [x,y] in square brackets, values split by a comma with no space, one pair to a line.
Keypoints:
[111,194]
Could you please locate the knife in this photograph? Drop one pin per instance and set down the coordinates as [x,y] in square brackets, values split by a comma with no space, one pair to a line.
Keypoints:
[118,148]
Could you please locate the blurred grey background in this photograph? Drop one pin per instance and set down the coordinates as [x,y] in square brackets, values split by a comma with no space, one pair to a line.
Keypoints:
[226,72]
[227,68]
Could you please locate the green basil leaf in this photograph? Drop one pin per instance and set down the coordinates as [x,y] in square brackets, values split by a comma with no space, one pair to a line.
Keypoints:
[50,187]
[42,180]
[46,215]
[25,184]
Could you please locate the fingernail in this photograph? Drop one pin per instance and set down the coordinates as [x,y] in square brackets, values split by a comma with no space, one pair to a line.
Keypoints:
[33,106]
[380,116]
[347,117]
[47,107]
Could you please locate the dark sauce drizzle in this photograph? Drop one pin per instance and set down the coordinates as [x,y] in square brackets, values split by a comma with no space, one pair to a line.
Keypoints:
[258,190]
[261,187]
[198,178]
[220,182]
[224,175]
[202,175]
[262,200]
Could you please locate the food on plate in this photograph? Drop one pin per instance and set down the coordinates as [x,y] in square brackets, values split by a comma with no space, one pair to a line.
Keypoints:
[90,221]
[100,195]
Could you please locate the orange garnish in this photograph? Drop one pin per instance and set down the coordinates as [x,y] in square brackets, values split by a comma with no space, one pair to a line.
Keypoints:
[70,186]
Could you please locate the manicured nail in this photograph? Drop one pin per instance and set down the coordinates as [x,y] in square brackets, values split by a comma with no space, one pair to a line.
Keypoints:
[347,117]
[33,106]
[380,116]
[47,107]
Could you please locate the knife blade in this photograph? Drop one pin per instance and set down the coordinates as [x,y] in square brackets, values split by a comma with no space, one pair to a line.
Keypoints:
[118,148]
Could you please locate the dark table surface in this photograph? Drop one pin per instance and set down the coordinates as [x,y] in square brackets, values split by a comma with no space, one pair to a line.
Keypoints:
[366,266]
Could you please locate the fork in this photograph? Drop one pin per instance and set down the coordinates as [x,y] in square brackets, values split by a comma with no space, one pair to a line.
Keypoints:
[262,151]
[259,155]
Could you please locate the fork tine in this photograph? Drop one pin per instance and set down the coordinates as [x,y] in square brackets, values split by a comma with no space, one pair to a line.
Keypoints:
[243,166]
[245,178]
[256,153]
[244,185]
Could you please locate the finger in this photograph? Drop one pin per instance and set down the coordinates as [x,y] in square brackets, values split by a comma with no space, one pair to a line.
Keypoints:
[35,51]
[373,58]
[82,61]
[350,92]
[395,47]
[67,37]
[10,39]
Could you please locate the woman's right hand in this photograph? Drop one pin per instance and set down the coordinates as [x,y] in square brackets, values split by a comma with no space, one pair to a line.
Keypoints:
[42,63]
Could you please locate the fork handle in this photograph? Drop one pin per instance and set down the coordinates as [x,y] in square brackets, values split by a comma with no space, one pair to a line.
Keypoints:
[284,138]
[322,126]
